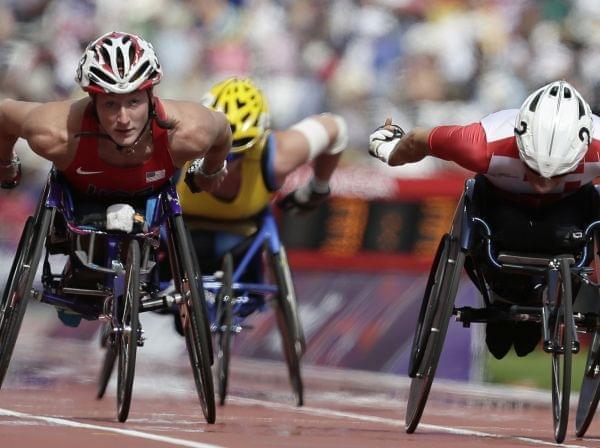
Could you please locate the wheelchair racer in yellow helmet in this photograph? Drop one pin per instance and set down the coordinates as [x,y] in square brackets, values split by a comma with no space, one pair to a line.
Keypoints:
[260,159]
[258,163]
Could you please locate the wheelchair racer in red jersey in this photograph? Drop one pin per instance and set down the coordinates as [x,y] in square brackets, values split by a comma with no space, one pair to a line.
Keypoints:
[535,170]
[120,143]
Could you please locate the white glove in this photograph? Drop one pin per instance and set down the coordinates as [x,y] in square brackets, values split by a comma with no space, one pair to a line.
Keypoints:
[120,217]
[383,141]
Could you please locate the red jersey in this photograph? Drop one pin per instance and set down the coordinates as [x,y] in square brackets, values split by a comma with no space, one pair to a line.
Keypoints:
[490,148]
[89,174]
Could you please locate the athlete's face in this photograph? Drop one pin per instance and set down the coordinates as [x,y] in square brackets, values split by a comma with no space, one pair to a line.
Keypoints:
[542,185]
[123,116]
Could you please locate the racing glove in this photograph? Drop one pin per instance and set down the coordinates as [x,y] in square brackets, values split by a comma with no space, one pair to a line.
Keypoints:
[384,139]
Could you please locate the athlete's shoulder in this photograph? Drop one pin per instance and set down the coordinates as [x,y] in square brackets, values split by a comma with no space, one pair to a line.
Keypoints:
[499,125]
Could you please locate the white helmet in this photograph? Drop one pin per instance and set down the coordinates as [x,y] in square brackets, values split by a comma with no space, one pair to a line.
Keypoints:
[554,129]
[118,63]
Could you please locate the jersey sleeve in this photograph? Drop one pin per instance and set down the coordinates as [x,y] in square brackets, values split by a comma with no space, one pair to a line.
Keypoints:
[464,145]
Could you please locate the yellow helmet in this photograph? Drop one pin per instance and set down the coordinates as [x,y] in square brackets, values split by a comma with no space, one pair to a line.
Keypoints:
[246,109]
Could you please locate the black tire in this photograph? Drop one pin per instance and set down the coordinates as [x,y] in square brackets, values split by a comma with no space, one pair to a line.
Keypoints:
[194,318]
[20,280]
[288,321]
[224,321]
[127,341]
[426,314]
[562,331]
[440,304]
[108,365]
[589,395]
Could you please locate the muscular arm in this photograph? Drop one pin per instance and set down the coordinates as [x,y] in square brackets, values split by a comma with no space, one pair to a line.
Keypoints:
[12,118]
[293,150]
[201,132]
[45,127]
[413,147]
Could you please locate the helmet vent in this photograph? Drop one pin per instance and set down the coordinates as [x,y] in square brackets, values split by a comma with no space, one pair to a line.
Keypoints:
[554,91]
[581,108]
[240,103]
[99,74]
[140,71]
[534,102]
[568,93]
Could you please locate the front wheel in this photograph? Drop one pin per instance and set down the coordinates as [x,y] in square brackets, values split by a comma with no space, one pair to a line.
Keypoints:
[288,322]
[562,341]
[224,321]
[129,329]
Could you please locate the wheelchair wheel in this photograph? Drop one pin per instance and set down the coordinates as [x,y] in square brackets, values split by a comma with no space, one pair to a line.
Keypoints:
[288,321]
[436,318]
[589,395]
[194,319]
[19,283]
[562,338]
[426,314]
[108,365]
[127,339]
[224,321]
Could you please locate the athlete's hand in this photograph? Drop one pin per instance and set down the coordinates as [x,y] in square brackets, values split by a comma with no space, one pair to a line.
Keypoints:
[384,139]
[298,202]
[198,181]
[10,173]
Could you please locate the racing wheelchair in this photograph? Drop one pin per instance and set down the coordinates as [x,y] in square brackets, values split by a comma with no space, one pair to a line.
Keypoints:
[112,276]
[236,297]
[469,244]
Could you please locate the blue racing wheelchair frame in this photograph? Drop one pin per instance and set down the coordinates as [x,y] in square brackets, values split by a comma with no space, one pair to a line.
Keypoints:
[124,283]
[236,299]
[554,313]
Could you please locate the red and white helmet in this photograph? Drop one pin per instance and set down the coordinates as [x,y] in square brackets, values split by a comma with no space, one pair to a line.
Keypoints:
[118,63]
[554,129]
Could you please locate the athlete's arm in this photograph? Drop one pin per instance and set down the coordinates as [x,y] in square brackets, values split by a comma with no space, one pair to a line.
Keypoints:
[42,125]
[318,138]
[200,133]
[464,145]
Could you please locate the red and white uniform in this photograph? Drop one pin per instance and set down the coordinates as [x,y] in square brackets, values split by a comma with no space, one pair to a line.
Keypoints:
[89,174]
[490,148]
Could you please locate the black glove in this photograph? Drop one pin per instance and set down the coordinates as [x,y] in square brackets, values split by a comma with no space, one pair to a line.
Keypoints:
[291,204]
[10,184]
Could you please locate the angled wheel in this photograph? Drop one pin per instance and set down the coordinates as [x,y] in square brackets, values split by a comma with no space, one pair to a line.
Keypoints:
[19,283]
[426,313]
[108,363]
[193,316]
[589,395]
[562,339]
[436,318]
[288,322]
[224,321]
[127,337]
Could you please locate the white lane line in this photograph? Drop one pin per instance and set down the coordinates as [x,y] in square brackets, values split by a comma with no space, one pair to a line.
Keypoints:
[393,422]
[127,432]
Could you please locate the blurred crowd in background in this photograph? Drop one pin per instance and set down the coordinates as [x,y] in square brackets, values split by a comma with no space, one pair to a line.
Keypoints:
[422,62]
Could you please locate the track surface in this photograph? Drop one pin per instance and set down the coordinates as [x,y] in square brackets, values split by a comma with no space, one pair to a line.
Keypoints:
[49,398]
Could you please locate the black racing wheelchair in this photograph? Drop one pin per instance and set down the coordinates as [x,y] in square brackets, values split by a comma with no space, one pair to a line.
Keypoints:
[470,244]
[111,275]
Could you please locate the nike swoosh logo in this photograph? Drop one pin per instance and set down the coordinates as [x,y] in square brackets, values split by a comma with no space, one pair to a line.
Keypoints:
[80,171]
